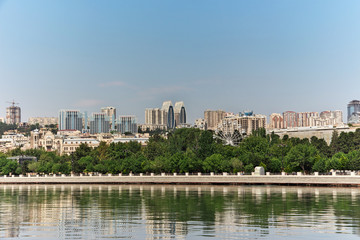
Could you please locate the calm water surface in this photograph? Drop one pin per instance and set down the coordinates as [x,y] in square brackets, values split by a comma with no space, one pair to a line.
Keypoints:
[178,212]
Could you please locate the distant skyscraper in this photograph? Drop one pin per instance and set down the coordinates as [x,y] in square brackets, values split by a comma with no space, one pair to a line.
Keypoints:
[353,111]
[127,124]
[167,107]
[70,120]
[213,118]
[13,114]
[111,113]
[99,123]
[179,113]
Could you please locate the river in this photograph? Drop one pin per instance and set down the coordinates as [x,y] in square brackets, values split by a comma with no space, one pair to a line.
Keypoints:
[178,212]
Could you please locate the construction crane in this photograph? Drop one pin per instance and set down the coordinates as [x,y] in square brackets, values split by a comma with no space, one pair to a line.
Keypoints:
[13,103]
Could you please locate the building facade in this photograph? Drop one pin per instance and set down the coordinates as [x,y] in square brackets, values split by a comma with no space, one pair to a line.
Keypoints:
[127,124]
[155,116]
[213,118]
[353,109]
[168,108]
[290,119]
[70,120]
[99,123]
[200,124]
[180,114]
[43,121]
[111,113]
[276,121]
[13,114]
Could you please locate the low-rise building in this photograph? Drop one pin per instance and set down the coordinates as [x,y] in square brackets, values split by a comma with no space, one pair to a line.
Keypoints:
[43,121]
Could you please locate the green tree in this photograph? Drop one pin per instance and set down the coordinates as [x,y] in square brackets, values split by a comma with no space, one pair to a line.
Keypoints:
[301,157]
[213,163]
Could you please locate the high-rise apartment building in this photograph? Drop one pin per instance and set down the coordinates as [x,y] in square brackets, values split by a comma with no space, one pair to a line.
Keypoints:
[111,113]
[168,108]
[127,124]
[164,117]
[276,121]
[13,114]
[213,118]
[70,120]
[155,116]
[304,119]
[99,123]
[353,109]
[179,113]
[290,119]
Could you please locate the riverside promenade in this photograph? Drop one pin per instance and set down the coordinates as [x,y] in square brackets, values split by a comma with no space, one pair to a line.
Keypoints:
[224,178]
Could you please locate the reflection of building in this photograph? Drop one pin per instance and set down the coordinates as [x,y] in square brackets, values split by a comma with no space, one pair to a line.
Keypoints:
[70,120]
[99,123]
[127,124]
[353,112]
[180,113]
[213,118]
[13,114]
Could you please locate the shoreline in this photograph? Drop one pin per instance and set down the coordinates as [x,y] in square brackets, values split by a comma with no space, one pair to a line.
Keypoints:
[287,180]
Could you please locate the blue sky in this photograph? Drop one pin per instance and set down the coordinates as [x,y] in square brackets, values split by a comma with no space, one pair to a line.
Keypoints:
[263,55]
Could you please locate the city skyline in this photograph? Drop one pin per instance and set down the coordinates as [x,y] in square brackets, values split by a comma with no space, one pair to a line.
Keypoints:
[181,102]
[266,56]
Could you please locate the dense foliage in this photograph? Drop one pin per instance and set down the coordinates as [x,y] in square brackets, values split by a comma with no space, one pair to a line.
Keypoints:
[193,150]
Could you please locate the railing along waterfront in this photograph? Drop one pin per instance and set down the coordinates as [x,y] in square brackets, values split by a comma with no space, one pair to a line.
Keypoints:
[186,174]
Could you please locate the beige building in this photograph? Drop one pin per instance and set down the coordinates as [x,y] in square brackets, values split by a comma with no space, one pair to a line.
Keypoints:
[243,124]
[213,118]
[155,118]
[151,127]
[71,144]
[276,121]
[304,119]
[307,132]
[43,121]
[200,123]
[292,119]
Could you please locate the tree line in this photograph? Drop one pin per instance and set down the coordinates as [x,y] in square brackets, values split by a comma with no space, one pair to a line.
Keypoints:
[194,150]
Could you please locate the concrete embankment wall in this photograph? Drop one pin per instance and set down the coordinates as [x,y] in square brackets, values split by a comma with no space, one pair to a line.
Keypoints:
[190,179]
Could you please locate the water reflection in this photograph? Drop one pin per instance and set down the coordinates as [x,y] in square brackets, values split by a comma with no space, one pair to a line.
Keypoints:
[179,212]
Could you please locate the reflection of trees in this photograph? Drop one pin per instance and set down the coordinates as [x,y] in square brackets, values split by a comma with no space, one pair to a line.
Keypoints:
[119,211]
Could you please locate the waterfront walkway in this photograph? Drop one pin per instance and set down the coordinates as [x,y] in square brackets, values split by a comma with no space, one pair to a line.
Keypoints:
[225,178]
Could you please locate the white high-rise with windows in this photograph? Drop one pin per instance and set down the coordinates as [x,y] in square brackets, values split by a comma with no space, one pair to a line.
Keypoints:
[70,120]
